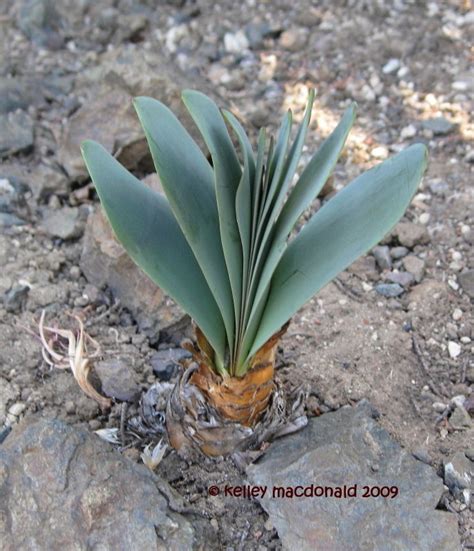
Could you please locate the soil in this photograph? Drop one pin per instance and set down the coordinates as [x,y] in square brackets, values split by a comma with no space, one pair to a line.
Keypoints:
[349,342]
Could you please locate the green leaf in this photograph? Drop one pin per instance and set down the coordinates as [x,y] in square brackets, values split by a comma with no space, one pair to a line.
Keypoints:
[143,222]
[227,171]
[315,175]
[346,227]
[274,169]
[306,189]
[284,177]
[243,208]
[188,182]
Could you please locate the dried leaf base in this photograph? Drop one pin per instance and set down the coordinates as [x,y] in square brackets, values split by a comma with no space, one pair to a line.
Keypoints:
[194,424]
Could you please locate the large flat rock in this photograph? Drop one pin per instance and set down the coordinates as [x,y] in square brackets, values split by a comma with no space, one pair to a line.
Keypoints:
[62,488]
[348,448]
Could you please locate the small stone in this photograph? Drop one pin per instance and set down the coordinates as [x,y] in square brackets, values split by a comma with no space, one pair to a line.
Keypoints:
[452,331]
[65,223]
[466,281]
[460,419]
[415,266]
[256,33]
[75,273]
[439,407]
[294,39]
[398,252]
[18,93]
[454,349]
[458,474]
[382,257]
[389,289]
[457,314]
[16,133]
[410,234]
[8,220]
[456,255]
[236,43]
[165,363]
[439,126]
[14,300]
[391,66]
[70,407]
[17,409]
[424,218]
[405,279]
[365,268]
[40,22]
[379,152]
[465,340]
[117,380]
[408,132]
[438,187]
[422,455]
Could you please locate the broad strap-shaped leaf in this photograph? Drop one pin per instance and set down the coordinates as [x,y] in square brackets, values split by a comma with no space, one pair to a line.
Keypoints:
[243,207]
[188,182]
[227,173]
[285,176]
[301,196]
[315,175]
[143,222]
[346,227]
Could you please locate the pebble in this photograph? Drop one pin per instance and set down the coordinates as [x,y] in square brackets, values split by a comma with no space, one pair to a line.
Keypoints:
[457,474]
[70,407]
[439,126]
[398,252]
[405,279]
[389,289]
[165,363]
[17,133]
[439,407]
[410,234]
[454,349]
[64,223]
[466,281]
[438,187]
[391,66]
[75,273]
[415,266]
[236,43]
[424,218]
[15,299]
[457,314]
[294,39]
[451,331]
[379,152]
[460,418]
[422,455]
[382,257]
[256,32]
[8,220]
[408,132]
[117,380]
[17,409]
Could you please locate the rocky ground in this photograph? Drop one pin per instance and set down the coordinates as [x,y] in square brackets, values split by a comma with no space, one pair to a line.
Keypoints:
[396,328]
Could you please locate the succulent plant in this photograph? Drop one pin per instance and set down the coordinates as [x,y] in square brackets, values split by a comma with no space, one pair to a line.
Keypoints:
[220,241]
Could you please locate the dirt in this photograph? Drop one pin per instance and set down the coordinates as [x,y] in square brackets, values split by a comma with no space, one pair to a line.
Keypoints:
[349,342]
